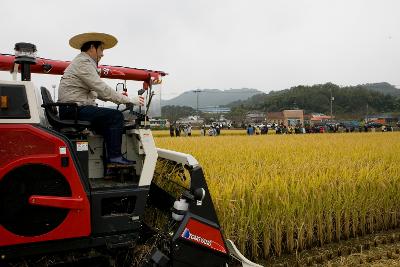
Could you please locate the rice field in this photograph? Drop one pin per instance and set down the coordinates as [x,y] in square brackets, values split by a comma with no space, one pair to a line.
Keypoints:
[280,194]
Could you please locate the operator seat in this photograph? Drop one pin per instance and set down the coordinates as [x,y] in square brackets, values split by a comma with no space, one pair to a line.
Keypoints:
[67,126]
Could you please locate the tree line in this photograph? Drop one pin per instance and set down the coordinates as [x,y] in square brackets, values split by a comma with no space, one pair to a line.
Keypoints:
[349,102]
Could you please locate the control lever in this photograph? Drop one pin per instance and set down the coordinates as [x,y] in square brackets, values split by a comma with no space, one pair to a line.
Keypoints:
[141,92]
[124,92]
[129,106]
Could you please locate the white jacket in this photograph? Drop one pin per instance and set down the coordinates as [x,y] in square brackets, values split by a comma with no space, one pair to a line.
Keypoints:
[82,84]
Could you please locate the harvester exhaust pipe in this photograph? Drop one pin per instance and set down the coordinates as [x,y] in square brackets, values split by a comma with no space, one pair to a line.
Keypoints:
[25,55]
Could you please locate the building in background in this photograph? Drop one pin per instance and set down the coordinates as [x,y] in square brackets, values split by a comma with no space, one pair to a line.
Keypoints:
[275,117]
[193,120]
[320,118]
[255,117]
[385,118]
[289,117]
[159,123]
[215,109]
[293,117]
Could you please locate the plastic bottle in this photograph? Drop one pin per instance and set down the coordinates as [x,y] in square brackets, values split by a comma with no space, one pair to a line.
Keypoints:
[180,205]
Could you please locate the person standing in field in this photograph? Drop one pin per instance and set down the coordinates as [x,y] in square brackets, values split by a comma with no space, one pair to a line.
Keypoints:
[211,131]
[177,130]
[171,130]
[250,130]
[184,130]
[264,130]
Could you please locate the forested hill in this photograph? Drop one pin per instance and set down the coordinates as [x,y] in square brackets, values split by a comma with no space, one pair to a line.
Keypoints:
[350,100]
[384,88]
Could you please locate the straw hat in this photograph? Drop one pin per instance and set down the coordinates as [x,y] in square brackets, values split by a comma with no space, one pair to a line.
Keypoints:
[108,40]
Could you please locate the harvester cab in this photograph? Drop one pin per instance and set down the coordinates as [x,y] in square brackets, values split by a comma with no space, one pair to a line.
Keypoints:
[61,205]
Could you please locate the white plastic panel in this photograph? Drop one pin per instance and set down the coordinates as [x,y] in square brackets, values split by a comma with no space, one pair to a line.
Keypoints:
[34,104]
[185,159]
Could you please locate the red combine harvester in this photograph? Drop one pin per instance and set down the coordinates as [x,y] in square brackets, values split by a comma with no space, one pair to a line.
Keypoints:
[57,206]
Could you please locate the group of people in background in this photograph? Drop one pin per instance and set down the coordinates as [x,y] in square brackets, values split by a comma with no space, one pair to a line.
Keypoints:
[326,128]
[257,130]
[177,129]
[213,130]
[180,130]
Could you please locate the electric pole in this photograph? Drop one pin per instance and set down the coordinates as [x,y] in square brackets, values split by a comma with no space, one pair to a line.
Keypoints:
[197,91]
[332,98]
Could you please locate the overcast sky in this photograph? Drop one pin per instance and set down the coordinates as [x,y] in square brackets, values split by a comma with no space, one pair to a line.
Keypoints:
[220,44]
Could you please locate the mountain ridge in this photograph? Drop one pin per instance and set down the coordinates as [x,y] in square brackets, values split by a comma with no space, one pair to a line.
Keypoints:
[210,97]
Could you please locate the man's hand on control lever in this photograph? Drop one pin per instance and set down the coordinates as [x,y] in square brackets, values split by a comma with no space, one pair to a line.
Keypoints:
[137,100]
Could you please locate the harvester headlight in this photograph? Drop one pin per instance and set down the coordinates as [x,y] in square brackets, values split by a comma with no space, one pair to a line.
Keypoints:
[199,195]
[25,52]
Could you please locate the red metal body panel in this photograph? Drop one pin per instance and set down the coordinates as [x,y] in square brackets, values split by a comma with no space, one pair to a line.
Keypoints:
[58,202]
[110,72]
[204,235]
[22,144]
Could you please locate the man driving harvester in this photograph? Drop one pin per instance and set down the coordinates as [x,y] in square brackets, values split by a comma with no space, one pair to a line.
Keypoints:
[81,84]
